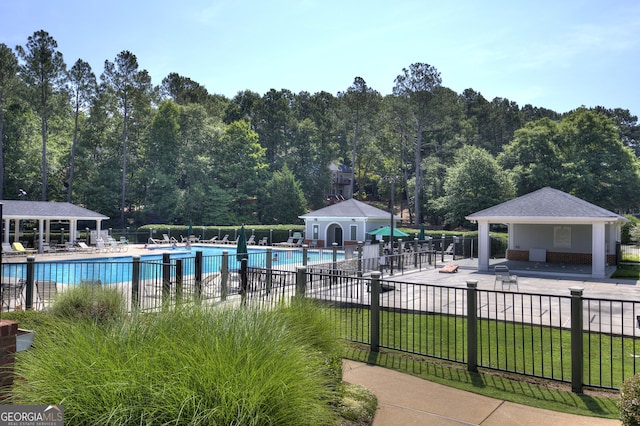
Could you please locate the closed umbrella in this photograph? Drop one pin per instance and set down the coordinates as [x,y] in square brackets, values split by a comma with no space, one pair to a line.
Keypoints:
[385,231]
[190,228]
[421,234]
[241,250]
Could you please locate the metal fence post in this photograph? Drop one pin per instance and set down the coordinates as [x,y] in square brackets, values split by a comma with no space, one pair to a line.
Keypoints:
[374,317]
[305,254]
[135,282]
[197,265]
[166,278]
[30,284]
[269,266]
[243,280]
[334,263]
[472,325]
[224,275]
[577,360]
[301,281]
[359,258]
[178,280]
[415,252]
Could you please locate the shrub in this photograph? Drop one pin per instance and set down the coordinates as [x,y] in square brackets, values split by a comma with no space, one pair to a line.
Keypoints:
[189,365]
[92,302]
[630,401]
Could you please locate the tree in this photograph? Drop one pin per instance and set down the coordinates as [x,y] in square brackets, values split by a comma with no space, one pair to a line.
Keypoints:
[240,167]
[582,155]
[162,163]
[8,84]
[128,85]
[82,88]
[43,71]
[284,200]
[534,156]
[362,104]
[475,182]
[417,84]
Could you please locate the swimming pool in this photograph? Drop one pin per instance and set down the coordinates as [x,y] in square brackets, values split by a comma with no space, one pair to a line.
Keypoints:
[114,270]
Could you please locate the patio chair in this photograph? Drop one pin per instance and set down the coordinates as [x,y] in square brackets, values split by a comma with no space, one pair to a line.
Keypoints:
[7,250]
[18,247]
[287,243]
[84,247]
[252,240]
[225,239]
[47,291]
[504,277]
[11,294]
[264,241]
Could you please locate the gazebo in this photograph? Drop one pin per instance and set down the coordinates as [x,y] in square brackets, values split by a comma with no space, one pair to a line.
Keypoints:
[44,212]
[552,226]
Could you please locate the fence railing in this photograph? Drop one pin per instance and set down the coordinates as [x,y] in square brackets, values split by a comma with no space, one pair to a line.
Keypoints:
[573,339]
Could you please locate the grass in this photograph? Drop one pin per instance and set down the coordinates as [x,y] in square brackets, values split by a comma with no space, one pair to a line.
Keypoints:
[628,271]
[534,350]
[189,365]
[520,390]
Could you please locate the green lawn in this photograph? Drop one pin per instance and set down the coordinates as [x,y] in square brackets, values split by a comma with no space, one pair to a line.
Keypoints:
[526,350]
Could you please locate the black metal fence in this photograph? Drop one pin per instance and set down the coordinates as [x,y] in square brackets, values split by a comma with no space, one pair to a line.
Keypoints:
[573,339]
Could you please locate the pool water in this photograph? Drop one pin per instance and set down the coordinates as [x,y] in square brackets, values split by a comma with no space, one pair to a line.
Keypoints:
[112,270]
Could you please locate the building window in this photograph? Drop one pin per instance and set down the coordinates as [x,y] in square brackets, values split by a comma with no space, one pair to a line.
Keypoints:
[354,232]
[315,232]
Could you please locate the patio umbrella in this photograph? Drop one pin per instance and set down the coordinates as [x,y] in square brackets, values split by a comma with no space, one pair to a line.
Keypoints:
[385,231]
[190,228]
[241,250]
[421,233]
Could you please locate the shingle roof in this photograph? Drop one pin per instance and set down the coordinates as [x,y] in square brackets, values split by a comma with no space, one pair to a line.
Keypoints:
[546,203]
[14,209]
[350,208]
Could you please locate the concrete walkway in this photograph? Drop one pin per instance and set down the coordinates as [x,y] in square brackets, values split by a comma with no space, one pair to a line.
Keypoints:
[408,400]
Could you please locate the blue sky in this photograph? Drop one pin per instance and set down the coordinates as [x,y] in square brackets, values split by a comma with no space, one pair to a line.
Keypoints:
[553,54]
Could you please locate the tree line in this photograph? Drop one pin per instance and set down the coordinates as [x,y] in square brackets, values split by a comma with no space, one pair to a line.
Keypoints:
[175,153]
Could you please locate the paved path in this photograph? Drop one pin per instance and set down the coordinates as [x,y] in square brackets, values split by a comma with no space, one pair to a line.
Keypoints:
[407,400]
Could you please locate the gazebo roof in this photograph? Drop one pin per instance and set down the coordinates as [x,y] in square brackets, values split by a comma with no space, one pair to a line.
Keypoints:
[350,208]
[47,210]
[545,205]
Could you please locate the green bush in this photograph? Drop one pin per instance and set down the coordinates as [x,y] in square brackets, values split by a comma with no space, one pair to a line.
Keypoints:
[189,365]
[630,401]
[92,302]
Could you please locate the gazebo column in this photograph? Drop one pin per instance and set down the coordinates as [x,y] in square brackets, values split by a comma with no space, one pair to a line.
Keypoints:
[40,234]
[73,227]
[484,245]
[7,229]
[48,230]
[598,254]
[16,230]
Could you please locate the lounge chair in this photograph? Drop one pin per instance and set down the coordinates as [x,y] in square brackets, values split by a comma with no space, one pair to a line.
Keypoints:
[212,240]
[287,243]
[100,247]
[84,247]
[7,250]
[47,290]
[46,248]
[298,243]
[17,246]
[504,277]
[225,239]
[264,241]
[252,240]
